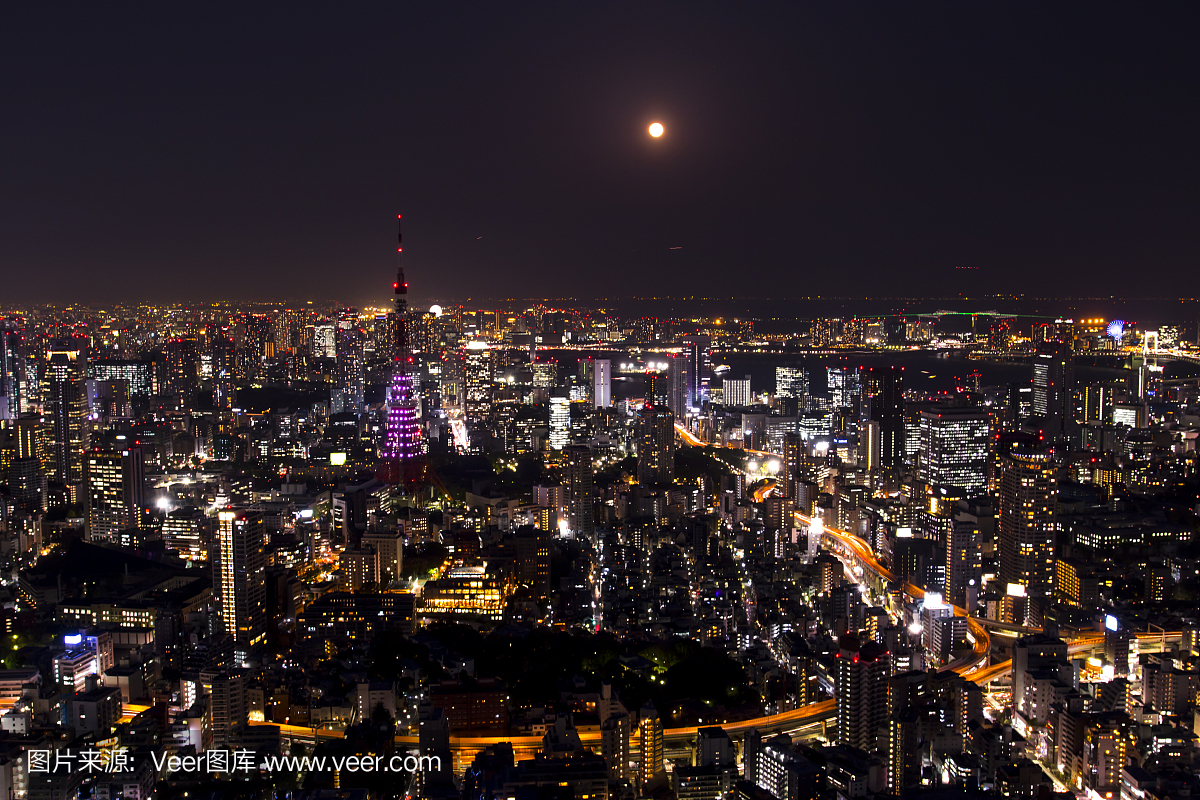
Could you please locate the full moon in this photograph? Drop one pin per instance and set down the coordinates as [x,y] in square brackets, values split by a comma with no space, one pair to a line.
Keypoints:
[436,310]
[656,129]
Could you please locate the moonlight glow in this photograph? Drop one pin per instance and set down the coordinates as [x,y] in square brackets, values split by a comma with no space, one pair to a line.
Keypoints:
[656,129]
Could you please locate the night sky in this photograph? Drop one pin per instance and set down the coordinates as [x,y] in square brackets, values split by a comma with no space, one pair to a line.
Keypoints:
[163,153]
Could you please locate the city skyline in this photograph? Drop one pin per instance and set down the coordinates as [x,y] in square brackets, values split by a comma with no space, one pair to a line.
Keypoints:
[769,402]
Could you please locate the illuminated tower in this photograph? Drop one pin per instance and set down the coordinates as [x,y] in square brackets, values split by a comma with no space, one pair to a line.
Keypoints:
[402,442]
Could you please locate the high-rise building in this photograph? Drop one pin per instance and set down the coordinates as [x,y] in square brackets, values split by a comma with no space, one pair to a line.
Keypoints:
[735,392]
[844,386]
[348,391]
[680,370]
[887,408]
[955,448]
[1054,390]
[560,422]
[791,382]
[325,341]
[11,372]
[184,530]
[577,477]
[861,684]
[1027,506]
[478,377]
[106,509]
[533,559]
[614,746]
[795,458]
[182,367]
[223,365]
[241,577]
[658,389]
[870,445]
[698,350]
[66,407]
[33,441]
[601,383]
[656,446]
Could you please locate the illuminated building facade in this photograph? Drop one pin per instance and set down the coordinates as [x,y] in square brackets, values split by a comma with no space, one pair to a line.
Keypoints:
[656,446]
[464,593]
[791,382]
[735,392]
[1027,506]
[106,510]
[478,377]
[241,577]
[560,422]
[183,530]
[861,682]
[954,448]
[601,383]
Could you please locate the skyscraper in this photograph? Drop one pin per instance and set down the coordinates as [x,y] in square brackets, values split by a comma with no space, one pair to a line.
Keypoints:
[66,406]
[577,477]
[955,448]
[656,446]
[241,577]
[1054,390]
[348,391]
[697,348]
[478,376]
[658,389]
[601,383]
[560,422]
[887,408]
[681,381]
[105,496]
[11,372]
[1027,510]
[843,386]
[791,382]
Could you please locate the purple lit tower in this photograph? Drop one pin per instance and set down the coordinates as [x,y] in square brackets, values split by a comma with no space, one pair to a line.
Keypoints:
[402,444]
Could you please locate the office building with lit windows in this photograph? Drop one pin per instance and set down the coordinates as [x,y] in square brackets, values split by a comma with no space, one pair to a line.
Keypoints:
[735,392]
[478,377]
[791,382]
[955,447]
[464,593]
[560,422]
